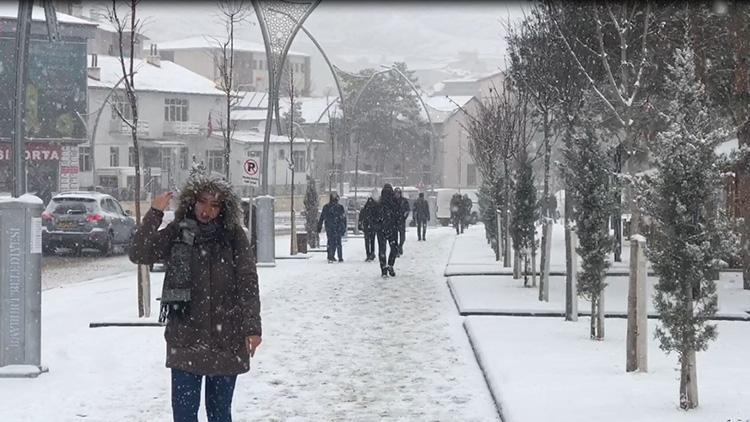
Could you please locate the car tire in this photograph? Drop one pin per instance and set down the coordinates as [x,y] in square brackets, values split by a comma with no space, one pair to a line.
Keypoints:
[108,246]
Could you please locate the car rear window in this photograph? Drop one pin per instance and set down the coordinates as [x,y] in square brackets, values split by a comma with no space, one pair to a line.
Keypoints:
[72,206]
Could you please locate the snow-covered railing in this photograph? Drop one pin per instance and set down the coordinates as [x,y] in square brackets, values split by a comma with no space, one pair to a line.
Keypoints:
[182,128]
[118,126]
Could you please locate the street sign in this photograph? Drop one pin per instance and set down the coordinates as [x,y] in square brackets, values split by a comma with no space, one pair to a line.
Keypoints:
[251,168]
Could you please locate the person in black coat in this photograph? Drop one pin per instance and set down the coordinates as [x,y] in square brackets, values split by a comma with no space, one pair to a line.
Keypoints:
[467,204]
[334,216]
[369,224]
[457,212]
[421,213]
[389,216]
[404,209]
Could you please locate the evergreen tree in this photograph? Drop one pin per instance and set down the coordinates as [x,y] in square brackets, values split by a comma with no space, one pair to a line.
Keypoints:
[588,177]
[686,241]
[197,169]
[524,212]
[312,203]
[488,214]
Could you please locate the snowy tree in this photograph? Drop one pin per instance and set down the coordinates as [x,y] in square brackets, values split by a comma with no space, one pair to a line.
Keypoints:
[686,240]
[232,13]
[524,213]
[312,205]
[197,169]
[588,177]
[128,29]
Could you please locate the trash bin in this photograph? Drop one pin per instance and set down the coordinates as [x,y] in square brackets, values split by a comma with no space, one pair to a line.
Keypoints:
[302,242]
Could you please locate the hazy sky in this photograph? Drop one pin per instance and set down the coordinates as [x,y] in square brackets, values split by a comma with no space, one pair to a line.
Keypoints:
[416,32]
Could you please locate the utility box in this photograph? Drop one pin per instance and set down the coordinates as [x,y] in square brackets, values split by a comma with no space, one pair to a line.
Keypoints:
[20,286]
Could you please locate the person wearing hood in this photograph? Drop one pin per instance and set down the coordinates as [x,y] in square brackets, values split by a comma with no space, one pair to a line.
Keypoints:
[457,212]
[404,209]
[210,299]
[334,217]
[421,214]
[369,224]
[390,216]
[466,205]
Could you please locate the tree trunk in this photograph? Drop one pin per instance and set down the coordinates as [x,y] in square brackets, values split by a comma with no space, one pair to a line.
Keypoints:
[597,316]
[500,249]
[636,343]
[546,258]
[617,217]
[545,209]
[506,215]
[688,381]
[516,264]
[571,286]
[743,199]
[533,262]
[526,269]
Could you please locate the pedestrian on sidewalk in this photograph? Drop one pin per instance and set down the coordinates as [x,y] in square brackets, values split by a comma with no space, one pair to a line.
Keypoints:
[210,299]
[390,215]
[466,205]
[404,209]
[334,217]
[421,215]
[368,223]
[456,212]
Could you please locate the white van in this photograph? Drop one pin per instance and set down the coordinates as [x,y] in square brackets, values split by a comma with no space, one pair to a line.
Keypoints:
[444,196]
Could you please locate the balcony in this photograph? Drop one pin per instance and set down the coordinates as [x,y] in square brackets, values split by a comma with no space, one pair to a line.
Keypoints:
[182,128]
[118,126]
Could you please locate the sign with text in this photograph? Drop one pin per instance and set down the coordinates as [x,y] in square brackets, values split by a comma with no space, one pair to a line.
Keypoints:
[250,177]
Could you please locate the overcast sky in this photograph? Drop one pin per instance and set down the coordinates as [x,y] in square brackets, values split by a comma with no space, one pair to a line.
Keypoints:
[416,32]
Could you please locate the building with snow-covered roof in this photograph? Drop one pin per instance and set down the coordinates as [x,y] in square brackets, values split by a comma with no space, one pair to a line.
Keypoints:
[455,167]
[478,86]
[202,54]
[174,109]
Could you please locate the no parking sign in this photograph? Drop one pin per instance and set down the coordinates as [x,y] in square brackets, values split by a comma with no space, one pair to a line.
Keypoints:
[251,168]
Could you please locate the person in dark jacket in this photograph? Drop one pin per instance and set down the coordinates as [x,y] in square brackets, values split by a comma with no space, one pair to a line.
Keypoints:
[466,204]
[369,224]
[210,299]
[334,216]
[457,212]
[421,213]
[404,209]
[389,212]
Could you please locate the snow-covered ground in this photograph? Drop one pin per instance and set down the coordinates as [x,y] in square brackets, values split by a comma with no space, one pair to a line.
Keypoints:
[546,369]
[340,344]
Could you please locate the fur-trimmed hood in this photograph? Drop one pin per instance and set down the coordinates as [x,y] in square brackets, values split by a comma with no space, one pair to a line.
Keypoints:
[229,216]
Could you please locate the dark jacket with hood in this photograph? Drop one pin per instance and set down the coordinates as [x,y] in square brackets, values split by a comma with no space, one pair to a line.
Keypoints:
[421,210]
[333,215]
[369,218]
[390,212]
[224,306]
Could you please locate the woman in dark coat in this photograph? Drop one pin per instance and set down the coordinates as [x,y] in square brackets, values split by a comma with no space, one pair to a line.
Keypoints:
[369,224]
[390,218]
[210,298]
[334,217]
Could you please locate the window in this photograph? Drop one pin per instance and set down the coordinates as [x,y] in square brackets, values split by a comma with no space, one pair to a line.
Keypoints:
[215,160]
[119,102]
[471,174]
[282,154]
[299,161]
[108,181]
[175,110]
[184,158]
[114,156]
[84,158]
[253,153]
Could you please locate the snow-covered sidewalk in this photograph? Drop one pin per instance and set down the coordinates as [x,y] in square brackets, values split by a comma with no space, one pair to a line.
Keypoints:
[340,344]
[546,369]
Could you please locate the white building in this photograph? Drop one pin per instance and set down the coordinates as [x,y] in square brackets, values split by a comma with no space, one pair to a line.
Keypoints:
[174,105]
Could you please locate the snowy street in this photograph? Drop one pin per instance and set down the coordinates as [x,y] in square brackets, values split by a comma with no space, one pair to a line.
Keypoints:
[340,343]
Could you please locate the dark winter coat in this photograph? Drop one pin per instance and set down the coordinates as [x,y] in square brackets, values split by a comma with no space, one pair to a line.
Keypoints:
[457,206]
[369,220]
[421,210]
[224,306]
[390,213]
[334,217]
[404,208]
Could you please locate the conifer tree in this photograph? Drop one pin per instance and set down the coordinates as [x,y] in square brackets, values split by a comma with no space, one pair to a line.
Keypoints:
[524,212]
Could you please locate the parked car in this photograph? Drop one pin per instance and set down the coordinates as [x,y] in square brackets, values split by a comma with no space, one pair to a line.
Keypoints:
[77,220]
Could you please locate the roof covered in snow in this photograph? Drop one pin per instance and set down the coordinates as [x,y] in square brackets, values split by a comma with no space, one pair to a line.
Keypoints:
[313,108]
[168,77]
[442,107]
[9,10]
[252,99]
[255,137]
[210,42]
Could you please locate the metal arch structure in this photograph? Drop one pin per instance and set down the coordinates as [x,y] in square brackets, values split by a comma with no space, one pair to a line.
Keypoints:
[279,22]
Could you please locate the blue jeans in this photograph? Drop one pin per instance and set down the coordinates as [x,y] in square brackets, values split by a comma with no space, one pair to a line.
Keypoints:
[186,396]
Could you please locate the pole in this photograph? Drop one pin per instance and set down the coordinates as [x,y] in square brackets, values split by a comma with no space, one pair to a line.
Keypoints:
[23,32]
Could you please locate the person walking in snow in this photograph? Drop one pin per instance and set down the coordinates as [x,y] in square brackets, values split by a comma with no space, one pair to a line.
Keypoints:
[421,213]
[466,205]
[389,218]
[404,209]
[210,299]
[334,217]
[456,212]
[369,224]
